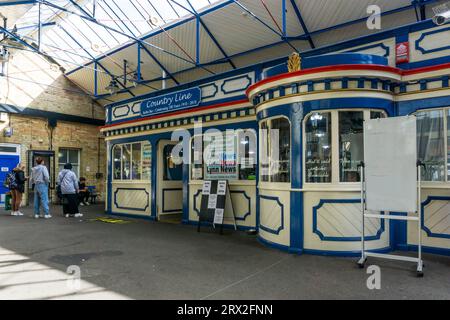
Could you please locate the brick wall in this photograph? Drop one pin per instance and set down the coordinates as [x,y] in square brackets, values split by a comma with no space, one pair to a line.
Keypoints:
[34,134]
[30,81]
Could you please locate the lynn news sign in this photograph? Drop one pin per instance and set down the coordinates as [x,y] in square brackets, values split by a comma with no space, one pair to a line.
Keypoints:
[171,102]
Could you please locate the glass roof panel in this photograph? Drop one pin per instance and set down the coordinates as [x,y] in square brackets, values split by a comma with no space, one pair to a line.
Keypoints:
[73,40]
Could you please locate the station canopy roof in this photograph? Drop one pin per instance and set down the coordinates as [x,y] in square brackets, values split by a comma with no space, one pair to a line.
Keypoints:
[96,41]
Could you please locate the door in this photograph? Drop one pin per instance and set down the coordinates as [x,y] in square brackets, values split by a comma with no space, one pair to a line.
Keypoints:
[9,159]
[49,162]
[169,205]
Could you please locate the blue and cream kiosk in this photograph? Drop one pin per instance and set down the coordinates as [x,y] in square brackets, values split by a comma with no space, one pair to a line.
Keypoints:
[306,197]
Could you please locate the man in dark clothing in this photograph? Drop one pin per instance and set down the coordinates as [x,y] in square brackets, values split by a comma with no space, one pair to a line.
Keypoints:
[83,195]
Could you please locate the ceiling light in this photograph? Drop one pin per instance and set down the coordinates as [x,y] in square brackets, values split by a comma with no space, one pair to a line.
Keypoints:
[154,21]
[113,87]
[4,55]
[136,79]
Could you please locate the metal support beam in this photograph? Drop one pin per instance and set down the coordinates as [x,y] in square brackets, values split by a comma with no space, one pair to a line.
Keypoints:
[212,37]
[302,23]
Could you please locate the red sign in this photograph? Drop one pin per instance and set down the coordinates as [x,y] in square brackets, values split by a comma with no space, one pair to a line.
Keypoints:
[402,52]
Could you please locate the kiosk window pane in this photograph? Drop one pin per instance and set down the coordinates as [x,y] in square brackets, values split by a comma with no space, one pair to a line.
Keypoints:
[136,162]
[264,147]
[430,144]
[448,144]
[377,115]
[117,154]
[126,162]
[351,144]
[146,161]
[318,148]
[281,165]
[197,158]
[247,154]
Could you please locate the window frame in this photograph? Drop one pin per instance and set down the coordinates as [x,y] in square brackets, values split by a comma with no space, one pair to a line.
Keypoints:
[78,164]
[269,121]
[203,162]
[335,138]
[445,123]
[121,180]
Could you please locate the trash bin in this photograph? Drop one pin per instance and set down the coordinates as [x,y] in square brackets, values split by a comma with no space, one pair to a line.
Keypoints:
[8,201]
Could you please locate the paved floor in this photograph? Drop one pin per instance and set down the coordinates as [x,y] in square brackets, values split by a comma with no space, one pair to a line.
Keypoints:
[148,260]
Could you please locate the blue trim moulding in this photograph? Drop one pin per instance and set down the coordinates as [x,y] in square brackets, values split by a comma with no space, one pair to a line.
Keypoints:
[130,208]
[424,227]
[426,34]
[281,205]
[345,239]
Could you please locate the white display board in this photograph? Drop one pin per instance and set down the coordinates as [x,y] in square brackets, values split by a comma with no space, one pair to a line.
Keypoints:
[390,156]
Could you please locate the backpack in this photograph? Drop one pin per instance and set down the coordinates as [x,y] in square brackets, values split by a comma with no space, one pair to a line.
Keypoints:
[11,181]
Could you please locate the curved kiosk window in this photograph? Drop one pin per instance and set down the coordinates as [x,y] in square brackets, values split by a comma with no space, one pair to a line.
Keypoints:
[311,146]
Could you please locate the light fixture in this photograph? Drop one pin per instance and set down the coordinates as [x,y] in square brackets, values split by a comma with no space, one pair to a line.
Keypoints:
[4,55]
[113,87]
[136,79]
[14,40]
[96,47]
[441,14]
[154,21]
[316,116]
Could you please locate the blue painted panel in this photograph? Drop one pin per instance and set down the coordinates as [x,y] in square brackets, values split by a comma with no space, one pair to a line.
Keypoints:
[342,58]
[7,163]
[170,102]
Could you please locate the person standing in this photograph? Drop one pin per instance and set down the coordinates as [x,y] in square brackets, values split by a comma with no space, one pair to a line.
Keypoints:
[40,179]
[68,182]
[17,189]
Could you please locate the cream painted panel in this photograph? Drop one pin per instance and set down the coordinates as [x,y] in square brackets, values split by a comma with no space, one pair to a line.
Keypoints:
[274,215]
[430,42]
[339,220]
[344,220]
[171,200]
[131,198]
[242,195]
[436,219]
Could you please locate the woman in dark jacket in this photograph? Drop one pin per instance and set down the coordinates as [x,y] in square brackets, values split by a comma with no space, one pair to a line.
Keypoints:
[18,189]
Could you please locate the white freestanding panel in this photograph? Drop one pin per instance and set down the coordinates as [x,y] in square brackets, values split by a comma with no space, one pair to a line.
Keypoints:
[390,156]
[390,178]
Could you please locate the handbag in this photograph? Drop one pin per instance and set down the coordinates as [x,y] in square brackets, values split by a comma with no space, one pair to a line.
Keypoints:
[58,188]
